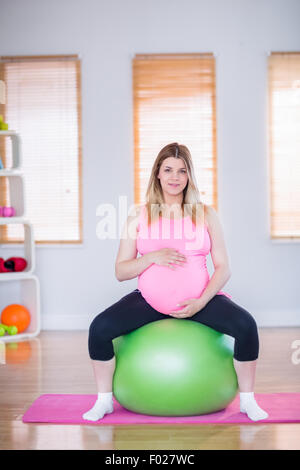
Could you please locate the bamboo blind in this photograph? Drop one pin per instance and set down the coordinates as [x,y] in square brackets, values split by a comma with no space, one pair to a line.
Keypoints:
[43,104]
[284,143]
[174,101]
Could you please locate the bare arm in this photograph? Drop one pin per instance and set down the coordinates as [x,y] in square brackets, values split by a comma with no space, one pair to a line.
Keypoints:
[128,266]
[219,256]
[218,248]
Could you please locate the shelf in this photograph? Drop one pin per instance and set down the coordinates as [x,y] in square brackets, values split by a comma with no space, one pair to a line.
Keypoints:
[29,252]
[16,147]
[8,133]
[16,192]
[12,276]
[24,291]
[19,287]
[11,172]
[14,220]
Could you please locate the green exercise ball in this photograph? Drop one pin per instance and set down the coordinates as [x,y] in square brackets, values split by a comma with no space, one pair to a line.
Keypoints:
[174,367]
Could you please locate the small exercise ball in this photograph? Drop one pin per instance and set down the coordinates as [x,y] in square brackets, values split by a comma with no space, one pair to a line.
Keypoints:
[17,315]
[174,367]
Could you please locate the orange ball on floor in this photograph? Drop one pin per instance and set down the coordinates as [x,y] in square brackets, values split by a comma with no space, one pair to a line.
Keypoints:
[17,315]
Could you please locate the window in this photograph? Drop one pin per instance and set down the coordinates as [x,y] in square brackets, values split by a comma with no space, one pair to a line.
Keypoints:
[174,101]
[284,144]
[43,104]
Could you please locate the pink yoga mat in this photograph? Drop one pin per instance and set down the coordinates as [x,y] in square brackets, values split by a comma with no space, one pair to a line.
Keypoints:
[68,409]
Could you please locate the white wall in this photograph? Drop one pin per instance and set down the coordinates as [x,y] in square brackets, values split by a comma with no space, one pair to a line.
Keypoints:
[79,282]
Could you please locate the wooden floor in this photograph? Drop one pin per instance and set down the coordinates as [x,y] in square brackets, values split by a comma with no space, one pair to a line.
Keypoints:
[58,362]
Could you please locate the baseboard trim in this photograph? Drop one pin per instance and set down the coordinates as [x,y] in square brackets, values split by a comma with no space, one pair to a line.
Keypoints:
[277,318]
[65,322]
[264,319]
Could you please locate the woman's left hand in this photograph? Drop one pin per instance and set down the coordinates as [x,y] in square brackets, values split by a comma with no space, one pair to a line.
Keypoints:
[192,306]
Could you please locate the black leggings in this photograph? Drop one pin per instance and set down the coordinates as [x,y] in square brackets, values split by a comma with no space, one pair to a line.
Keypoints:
[132,312]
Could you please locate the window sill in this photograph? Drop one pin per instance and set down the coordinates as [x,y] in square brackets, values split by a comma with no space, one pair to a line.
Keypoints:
[44,245]
[285,241]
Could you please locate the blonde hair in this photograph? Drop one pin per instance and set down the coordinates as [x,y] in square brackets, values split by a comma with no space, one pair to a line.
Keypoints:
[191,202]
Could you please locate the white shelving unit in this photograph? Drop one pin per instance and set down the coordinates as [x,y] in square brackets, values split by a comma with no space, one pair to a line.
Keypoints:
[20,287]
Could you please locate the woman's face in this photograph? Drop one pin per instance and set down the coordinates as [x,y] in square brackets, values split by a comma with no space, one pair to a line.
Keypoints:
[173,175]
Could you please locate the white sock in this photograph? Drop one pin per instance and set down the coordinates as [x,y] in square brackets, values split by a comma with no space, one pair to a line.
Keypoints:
[103,405]
[249,406]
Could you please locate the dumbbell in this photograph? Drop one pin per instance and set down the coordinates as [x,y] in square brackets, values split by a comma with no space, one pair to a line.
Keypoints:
[7,211]
[11,330]
[12,264]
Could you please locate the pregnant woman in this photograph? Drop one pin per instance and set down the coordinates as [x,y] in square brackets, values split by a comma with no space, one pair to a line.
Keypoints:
[173,233]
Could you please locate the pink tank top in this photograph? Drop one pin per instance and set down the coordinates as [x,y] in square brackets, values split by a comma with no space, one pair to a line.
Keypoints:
[162,287]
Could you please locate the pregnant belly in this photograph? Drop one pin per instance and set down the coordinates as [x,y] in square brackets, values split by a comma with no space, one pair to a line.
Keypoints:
[163,288]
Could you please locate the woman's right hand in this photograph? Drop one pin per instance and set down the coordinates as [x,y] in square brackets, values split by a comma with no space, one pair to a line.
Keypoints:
[168,257]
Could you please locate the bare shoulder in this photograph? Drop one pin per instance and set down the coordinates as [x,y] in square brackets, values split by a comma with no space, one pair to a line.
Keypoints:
[209,214]
[211,217]
[218,247]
